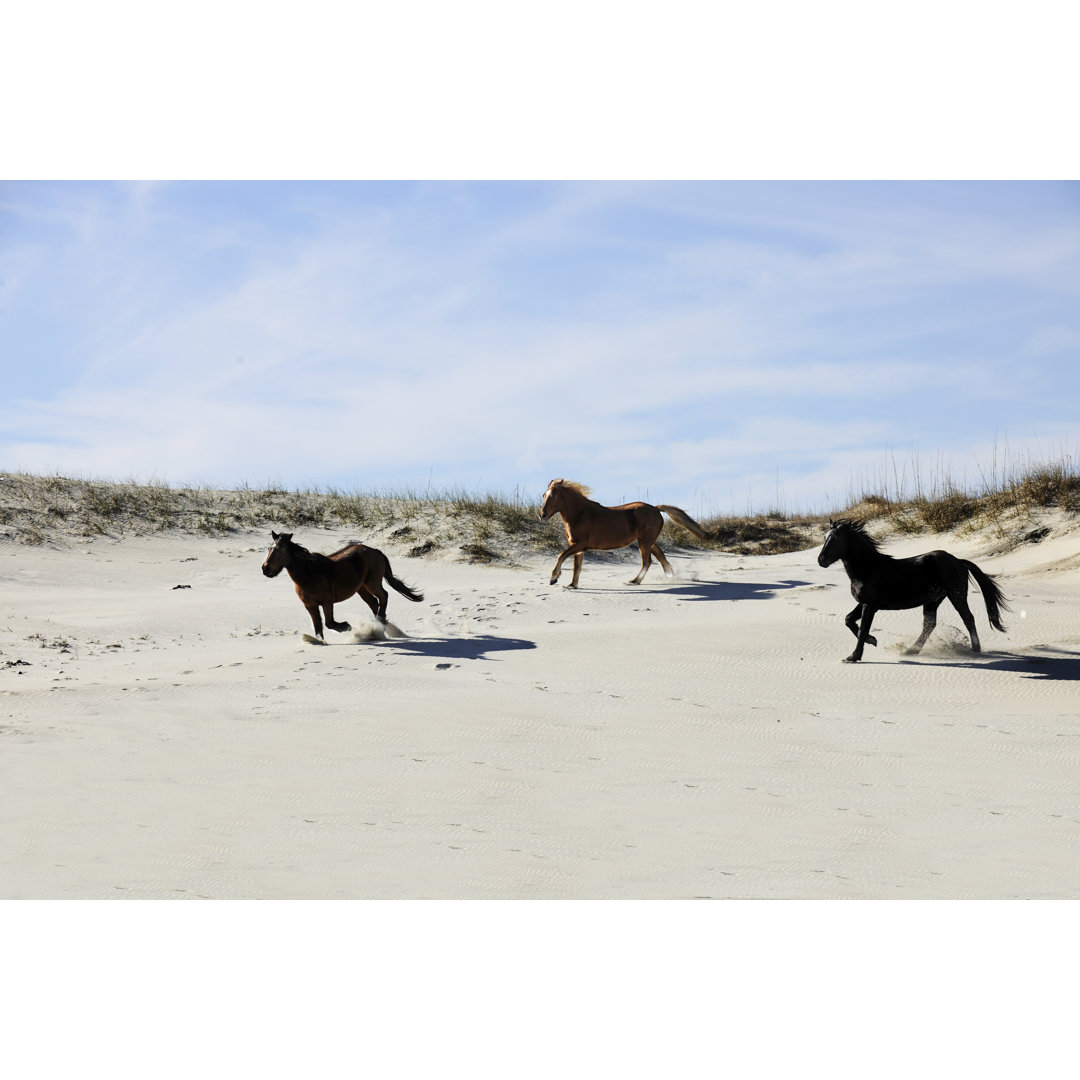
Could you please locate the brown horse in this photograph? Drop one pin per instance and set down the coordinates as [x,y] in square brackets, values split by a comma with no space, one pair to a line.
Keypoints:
[592,527]
[326,580]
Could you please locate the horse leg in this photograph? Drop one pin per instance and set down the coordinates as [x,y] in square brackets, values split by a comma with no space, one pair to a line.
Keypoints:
[381,596]
[328,614]
[852,623]
[929,621]
[573,549]
[864,634]
[646,562]
[663,561]
[959,601]
[313,611]
[365,594]
[557,569]
[579,558]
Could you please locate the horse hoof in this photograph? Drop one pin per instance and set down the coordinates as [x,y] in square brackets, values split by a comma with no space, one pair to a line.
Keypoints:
[851,659]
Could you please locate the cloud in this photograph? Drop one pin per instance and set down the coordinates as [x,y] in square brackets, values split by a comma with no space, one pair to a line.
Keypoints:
[1052,341]
[678,337]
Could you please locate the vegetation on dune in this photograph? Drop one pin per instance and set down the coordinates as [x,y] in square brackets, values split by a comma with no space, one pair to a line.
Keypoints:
[1004,502]
[37,509]
[491,527]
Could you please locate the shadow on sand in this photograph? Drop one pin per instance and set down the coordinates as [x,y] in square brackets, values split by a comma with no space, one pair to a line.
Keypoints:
[730,590]
[1060,667]
[473,648]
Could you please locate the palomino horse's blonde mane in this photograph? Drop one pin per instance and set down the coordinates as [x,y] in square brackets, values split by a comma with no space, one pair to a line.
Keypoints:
[573,485]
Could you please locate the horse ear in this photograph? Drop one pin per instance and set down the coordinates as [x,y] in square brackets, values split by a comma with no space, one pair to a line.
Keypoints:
[274,535]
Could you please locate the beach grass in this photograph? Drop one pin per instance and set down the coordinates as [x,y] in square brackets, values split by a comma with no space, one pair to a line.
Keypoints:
[486,527]
[39,509]
[1004,500]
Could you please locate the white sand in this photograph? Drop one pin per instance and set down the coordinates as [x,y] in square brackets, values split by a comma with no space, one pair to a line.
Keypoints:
[691,739]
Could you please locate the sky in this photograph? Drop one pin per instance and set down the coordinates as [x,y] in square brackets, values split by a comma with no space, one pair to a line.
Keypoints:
[720,345]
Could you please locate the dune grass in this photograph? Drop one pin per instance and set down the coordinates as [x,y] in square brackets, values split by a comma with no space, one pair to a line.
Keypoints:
[39,509]
[1004,500]
[493,527]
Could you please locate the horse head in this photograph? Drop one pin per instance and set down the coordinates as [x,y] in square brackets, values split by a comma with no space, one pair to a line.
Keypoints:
[550,503]
[834,546]
[278,556]
[565,496]
[847,539]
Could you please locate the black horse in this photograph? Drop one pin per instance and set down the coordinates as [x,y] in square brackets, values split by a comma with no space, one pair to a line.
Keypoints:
[881,583]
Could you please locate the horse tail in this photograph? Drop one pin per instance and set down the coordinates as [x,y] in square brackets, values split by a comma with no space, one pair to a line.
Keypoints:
[400,586]
[992,594]
[681,517]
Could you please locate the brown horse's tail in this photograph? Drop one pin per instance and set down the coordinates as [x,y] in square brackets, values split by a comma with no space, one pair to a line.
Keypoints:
[992,594]
[681,517]
[400,586]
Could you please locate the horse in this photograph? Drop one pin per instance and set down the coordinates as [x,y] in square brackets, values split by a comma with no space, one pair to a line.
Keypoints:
[326,580]
[881,583]
[592,527]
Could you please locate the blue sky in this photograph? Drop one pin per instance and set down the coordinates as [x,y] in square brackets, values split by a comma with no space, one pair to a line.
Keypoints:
[711,344]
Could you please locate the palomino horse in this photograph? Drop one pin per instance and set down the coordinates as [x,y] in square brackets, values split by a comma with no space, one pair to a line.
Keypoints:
[592,527]
[881,583]
[326,580]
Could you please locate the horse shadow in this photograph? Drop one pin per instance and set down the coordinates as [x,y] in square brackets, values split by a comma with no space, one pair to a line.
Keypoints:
[1064,666]
[475,648]
[729,590]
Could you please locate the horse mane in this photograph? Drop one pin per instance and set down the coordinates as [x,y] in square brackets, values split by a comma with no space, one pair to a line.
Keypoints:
[573,485]
[303,553]
[857,528]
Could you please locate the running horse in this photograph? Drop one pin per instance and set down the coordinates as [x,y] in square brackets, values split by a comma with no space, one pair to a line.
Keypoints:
[592,527]
[881,583]
[325,580]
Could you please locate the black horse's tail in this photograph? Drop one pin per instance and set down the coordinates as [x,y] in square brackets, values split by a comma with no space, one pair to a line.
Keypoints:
[400,586]
[992,594]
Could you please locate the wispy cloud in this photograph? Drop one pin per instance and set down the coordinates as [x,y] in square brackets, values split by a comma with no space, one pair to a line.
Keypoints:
[676,338]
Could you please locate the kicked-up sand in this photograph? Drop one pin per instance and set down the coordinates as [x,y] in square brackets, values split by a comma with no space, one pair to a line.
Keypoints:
[167,732]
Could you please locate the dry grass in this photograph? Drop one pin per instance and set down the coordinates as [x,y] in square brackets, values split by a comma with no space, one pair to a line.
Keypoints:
[492,527]
[771,533]
[41,509]
[1004,503]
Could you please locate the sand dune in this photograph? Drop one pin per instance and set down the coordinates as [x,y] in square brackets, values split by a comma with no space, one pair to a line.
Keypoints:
[167,732]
